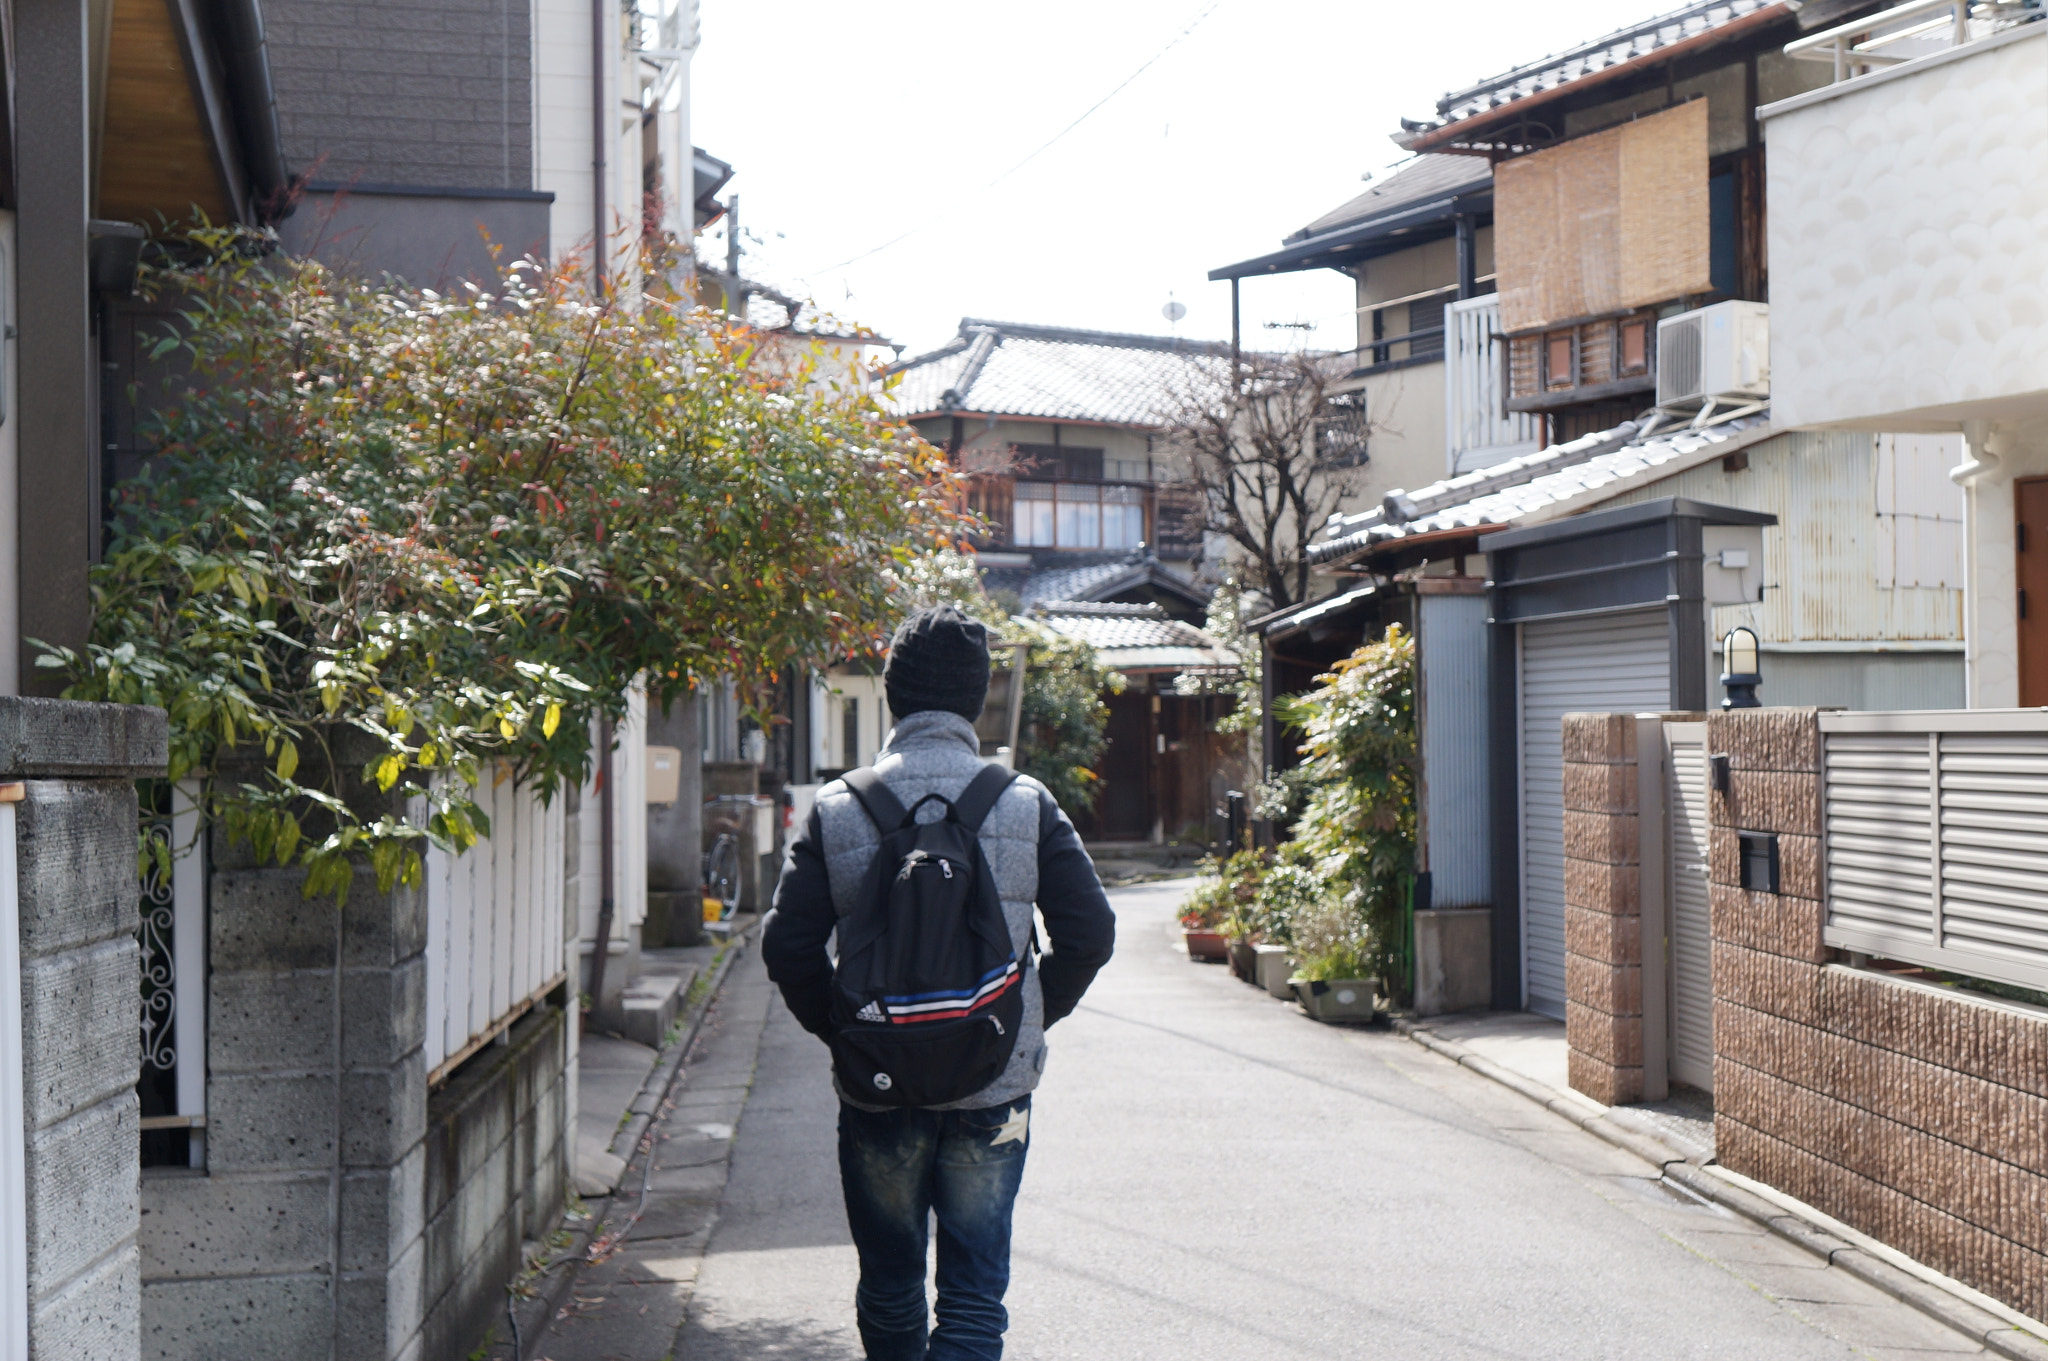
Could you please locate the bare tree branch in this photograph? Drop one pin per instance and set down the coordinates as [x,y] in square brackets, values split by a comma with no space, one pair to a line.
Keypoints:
[1274,448]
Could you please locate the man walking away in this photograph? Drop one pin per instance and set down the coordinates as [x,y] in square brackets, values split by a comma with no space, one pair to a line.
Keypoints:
[908,863]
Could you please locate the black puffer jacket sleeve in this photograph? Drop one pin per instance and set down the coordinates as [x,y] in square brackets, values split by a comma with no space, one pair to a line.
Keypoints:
[797,929]
[1080,925]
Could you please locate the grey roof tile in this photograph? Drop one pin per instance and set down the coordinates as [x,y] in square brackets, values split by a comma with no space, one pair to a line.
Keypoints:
[1511,491]
[1009,369]
[1135,637]
[1624,44]
[1424,178]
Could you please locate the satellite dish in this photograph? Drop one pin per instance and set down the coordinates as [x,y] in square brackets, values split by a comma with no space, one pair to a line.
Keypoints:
[1173,311]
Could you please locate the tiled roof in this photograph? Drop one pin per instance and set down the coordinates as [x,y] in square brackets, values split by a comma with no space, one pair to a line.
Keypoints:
[1072,583]
[1006,369]
[1538,486]
[1135,637]
[1624,45]
[1418,181]
[1095,577]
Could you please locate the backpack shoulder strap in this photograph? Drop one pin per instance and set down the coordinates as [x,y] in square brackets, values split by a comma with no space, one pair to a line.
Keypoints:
[883,808]
[979,798]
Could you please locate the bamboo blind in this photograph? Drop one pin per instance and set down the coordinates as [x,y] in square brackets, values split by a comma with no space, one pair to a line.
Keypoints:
[1606,222]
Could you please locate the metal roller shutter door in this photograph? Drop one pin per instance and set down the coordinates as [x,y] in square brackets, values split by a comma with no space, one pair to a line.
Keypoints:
[1612,662]
[1692,957]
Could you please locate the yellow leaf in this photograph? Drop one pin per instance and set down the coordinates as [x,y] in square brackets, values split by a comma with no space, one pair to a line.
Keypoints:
[287,759]
[551,720]
[505,727]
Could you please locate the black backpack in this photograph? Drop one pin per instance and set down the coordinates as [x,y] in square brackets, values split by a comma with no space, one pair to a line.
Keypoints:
[928,992]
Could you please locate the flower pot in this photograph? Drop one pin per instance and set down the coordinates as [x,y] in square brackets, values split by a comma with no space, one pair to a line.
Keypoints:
[1206,944]
[1244,959]
[1271,967]
[1338,999]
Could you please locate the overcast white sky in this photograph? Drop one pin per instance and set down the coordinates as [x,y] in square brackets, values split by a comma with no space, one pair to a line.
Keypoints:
[850,125]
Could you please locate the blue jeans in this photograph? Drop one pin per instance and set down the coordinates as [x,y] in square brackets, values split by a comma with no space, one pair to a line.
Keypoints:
[900,1168]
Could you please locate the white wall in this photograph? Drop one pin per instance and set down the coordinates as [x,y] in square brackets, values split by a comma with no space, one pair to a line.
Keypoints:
[562,134]
[1909,241]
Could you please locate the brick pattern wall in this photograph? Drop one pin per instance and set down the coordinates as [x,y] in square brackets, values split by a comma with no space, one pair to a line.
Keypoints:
[399,92]
[1603,1010]
[1915,1114]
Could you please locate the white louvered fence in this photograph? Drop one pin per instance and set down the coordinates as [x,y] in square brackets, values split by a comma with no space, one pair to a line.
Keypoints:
[1936,839]
[495,924]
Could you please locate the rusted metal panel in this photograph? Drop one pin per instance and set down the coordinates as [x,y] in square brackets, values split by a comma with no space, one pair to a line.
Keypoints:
[1833,562]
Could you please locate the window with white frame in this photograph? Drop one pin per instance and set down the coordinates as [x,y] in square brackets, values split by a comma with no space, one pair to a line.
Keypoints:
[1123,517]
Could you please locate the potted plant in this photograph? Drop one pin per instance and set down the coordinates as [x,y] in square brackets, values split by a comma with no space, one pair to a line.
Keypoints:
[1336,979]
[1244,920]
[1201,922]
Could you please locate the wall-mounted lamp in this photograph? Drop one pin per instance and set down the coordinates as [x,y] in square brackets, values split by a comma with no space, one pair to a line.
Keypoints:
[1739,674]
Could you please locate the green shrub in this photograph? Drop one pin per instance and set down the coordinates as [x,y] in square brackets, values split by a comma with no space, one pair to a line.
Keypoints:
[1355,835]
[461,527]
[1064,719]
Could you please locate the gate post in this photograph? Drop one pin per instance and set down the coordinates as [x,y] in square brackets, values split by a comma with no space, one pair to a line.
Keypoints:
[74,832]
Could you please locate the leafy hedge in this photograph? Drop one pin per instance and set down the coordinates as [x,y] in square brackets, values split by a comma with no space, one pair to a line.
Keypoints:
[1337,892]
[462,526]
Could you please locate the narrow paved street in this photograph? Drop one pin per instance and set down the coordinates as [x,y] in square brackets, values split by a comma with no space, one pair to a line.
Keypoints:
[1214,1176]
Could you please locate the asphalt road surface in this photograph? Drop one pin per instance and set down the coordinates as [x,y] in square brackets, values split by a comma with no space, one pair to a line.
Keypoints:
[1213,1175]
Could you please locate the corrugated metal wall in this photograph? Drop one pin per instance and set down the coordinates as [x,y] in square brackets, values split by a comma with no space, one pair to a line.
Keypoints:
[1833,548]
[1455,798]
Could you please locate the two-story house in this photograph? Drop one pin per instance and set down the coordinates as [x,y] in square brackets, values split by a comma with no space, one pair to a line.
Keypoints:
[1058,431]
[1419,245]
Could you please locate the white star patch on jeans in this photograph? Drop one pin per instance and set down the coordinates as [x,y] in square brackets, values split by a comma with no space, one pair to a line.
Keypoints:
[1013,1130]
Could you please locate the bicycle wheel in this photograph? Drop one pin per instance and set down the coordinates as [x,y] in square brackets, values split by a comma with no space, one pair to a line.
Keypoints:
[722,872]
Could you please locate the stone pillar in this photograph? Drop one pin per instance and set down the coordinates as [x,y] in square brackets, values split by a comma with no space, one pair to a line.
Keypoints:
[1603,908]
[675,833]
[75,834]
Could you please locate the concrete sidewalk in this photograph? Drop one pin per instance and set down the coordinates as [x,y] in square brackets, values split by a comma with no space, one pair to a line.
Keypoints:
[1529,1054]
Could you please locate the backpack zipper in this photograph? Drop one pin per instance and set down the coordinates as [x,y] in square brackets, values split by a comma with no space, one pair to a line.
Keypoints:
[997,1023]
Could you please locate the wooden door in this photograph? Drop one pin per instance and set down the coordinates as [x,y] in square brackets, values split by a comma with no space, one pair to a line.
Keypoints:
[2030,540]
[1123,806]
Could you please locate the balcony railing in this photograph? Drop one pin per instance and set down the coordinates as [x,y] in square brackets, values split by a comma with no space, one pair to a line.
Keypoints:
[1935,830]
[1904,32]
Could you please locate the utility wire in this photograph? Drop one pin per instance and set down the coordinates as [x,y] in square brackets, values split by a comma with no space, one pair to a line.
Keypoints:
[1047,144]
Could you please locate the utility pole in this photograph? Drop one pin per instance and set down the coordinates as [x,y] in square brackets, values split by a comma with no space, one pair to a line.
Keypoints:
[735,291]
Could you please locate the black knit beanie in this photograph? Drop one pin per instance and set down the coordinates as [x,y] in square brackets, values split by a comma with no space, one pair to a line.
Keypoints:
[937,660]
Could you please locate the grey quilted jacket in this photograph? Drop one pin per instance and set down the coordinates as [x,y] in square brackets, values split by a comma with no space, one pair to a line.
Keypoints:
[1031,848]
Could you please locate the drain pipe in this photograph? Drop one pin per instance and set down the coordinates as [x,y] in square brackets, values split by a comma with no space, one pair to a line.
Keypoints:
[607,899]
[1978,458]
[1977,461]
[598,160]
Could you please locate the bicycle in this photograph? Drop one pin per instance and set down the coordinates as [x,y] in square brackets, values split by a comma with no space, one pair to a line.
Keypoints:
[722,873]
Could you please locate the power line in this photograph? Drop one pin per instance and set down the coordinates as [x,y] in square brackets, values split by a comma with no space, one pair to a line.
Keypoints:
[1047,144]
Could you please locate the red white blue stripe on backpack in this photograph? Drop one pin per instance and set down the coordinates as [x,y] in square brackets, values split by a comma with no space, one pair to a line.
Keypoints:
[945,1006]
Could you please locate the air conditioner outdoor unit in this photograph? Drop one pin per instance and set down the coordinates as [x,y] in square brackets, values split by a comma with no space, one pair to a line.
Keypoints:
[1717,354]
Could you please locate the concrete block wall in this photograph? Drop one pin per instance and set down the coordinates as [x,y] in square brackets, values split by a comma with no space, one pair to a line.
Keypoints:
[398,92]
[345,1211]
[287,1243]
[80,983]
[1915,1113]
[1603,908]
[496,1174]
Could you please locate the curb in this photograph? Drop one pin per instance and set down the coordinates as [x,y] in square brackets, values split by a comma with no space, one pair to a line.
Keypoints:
[1716,1184]
[654,1090]
[534,1312]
